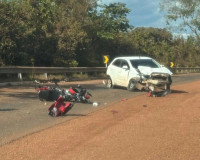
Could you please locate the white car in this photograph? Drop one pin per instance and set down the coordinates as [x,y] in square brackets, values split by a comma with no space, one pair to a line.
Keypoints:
[138,72]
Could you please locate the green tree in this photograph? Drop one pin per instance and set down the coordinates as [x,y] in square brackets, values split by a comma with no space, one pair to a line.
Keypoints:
[105,24]
[70,29]
[186,52]
[184,12]
[12,29]
[153,42]
[111,19]
[40,39]
[42,32]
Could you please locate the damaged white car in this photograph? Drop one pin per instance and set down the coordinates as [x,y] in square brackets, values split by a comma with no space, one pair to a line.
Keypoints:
[139,72]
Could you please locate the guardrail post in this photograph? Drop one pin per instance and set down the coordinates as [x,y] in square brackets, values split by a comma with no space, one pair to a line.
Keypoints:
[20,76]
[45,75]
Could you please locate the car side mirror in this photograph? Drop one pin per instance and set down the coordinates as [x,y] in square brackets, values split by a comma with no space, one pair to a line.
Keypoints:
[125,67]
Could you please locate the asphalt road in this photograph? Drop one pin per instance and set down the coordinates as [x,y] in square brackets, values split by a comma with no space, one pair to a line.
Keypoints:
[21,112]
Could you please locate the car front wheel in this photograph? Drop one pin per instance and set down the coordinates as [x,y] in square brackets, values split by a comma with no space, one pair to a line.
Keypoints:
[132,85]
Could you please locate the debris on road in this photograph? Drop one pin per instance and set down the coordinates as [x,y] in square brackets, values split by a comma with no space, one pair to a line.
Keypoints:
[157,94]
[95,104]
[114,111]
[124,99]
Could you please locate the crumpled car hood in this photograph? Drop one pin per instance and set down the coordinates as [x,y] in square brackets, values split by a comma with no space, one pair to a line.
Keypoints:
[147,70]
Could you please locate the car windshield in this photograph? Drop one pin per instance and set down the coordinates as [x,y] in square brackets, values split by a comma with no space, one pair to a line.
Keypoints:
[144,62]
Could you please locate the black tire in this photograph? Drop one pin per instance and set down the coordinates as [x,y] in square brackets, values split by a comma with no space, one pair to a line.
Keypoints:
[132,85]
[109,83]
[51,113]
[168,87]
[43,95]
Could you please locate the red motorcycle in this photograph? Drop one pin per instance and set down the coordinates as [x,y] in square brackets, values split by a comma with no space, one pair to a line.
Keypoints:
[59,107]
[46,93]
[78,94]
[75,94]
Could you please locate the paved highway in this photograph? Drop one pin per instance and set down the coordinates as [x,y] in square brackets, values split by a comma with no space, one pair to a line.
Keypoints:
[22,113]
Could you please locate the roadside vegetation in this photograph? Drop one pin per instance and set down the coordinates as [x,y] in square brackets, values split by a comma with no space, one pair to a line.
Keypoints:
[79,32]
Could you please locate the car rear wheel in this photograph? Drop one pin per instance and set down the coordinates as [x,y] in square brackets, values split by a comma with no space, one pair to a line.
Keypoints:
[132,85]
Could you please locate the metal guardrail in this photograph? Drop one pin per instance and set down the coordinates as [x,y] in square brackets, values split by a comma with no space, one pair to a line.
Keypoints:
[49,70]
[179,70]
[19,69]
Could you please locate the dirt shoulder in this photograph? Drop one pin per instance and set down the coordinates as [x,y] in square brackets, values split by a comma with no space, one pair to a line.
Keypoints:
[139,128]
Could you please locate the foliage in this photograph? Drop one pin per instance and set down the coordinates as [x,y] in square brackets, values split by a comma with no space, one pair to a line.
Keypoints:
[186,12]
[111,20]
[186,52]
[152,42]
[42,29]
[78,33]
[103,28]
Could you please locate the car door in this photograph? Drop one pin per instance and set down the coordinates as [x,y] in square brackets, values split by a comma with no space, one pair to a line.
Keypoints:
[123,73]
[115,71]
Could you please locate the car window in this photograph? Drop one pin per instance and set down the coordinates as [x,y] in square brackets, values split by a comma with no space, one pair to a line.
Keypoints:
[124,63]
[144,62]
[117,63]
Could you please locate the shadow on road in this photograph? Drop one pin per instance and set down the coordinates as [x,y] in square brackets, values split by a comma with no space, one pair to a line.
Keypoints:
[21,95]
[177,91]
[75,115]
[7,110]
